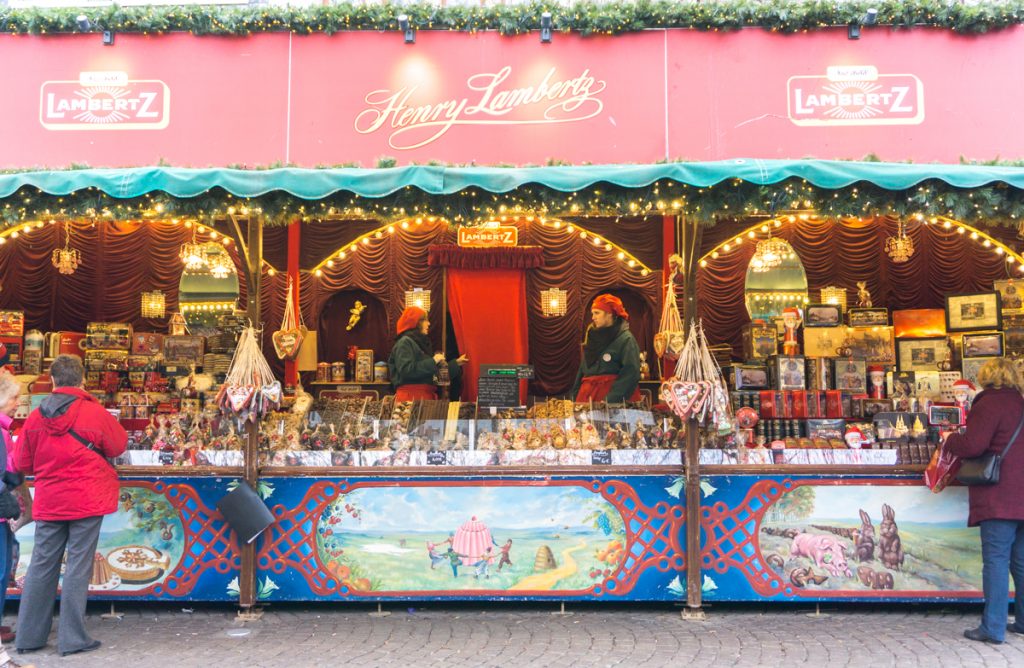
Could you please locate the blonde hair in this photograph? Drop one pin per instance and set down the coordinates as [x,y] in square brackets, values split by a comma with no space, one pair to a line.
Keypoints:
[9,387]
[999,373]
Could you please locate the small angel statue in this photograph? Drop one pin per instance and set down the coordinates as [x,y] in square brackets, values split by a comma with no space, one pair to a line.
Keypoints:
[357,313]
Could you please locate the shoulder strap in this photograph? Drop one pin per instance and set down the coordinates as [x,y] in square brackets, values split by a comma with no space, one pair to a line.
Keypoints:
[1014,437]
[88,444]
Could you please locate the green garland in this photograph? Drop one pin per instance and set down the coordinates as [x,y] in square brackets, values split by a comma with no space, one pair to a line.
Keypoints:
[787,16]
[996,204]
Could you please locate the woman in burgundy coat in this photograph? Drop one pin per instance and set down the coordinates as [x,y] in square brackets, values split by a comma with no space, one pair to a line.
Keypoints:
[997,509]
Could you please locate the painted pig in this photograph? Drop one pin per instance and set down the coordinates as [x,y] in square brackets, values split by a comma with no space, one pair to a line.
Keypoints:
[827,552]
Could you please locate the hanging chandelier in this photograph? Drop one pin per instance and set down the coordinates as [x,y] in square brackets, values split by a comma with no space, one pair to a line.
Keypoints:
[192,253]
[220,265]
[769,254]
[154,304]
[900,247]
[66,259]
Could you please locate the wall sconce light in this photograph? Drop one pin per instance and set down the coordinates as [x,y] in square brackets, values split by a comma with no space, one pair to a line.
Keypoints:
[84,25]
[406,28]
[419,298]
[834,295]
[545,28]
[553,302]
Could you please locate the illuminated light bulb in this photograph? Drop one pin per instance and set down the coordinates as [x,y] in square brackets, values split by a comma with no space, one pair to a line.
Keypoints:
[632,262]
[419,221]
[405,224]
[986,243]
[2,241]
[583,235]
[974,235]
[621,255]
[271,271]
[947,224]
[366,241]
[764,228]
[188,224]
[201,229]
[14,234]
[558,224]
[318,272]
[391,229]
[645,272]
[419,303]
[379,234]
[703,263]
[960,230]
[714,255]
[751,234]
[40,224]
[607,247]
[597,241]
[570,229]
[353,248]
[341,255]
[226,241]
[330,263]
[726,247]
[999,250]
[1009,258]
[778,223]
[213,235]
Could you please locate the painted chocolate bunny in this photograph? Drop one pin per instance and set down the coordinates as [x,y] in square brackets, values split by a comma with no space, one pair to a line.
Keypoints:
[889,543]
[865,543]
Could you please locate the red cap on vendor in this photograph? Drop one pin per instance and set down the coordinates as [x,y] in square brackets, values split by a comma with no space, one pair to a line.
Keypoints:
[610,304]
[410,318]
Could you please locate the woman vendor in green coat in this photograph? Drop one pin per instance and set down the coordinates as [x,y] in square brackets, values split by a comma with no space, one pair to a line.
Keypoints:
[610,368]
[412,364]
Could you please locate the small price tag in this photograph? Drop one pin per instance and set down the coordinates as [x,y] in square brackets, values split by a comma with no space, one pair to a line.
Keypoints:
[603,457]
[166,458]
[439,458]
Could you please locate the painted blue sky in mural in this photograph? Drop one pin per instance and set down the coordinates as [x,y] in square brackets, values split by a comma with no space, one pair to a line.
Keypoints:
[447,508]
[911,503]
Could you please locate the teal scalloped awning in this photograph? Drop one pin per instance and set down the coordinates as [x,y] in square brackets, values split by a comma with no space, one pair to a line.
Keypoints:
[318,183]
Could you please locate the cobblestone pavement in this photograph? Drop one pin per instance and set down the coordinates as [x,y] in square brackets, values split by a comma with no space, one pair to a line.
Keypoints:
[506,634]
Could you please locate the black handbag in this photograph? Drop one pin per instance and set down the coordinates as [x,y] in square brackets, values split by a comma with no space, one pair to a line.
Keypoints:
[984,470]
[9,508]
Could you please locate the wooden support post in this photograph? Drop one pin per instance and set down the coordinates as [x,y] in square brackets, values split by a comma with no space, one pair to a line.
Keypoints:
[689,235]
[254,266]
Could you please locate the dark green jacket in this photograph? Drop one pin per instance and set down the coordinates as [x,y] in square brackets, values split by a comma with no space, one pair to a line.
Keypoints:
[623,361]
[409,365]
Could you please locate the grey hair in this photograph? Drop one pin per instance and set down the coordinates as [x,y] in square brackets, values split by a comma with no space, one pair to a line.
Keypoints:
[67,371]
[9,387]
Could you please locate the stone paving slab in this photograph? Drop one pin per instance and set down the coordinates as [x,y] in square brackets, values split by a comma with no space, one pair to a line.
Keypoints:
[503,634]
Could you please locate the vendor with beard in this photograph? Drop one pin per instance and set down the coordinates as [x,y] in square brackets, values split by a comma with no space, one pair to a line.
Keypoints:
[610,369]
[412,364]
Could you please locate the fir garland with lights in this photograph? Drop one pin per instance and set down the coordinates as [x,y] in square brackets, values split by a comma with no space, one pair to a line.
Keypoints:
[993,204]
[586,18]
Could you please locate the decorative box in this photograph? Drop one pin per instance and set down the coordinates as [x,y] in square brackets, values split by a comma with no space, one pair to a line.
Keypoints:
[819,373]
[108,336]
[147,343]
[919,323]
[12,323]
[364,366]
[760,341]
[832,428]
[183,350]
[787,373]
[106,360]
[66,343]
[747,377]
[850,374]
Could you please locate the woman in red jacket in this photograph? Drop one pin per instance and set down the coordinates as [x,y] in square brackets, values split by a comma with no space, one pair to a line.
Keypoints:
[65,444]
[997,509]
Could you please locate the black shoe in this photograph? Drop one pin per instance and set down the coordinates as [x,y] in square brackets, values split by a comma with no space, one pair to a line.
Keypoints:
[26,650]
[1013,628]
[980,636]
[95,644]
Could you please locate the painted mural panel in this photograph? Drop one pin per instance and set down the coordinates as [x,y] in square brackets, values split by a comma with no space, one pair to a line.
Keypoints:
[164,541]
[458,538]
[840,538]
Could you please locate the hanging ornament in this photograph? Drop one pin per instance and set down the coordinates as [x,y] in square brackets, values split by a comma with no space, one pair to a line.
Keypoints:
[250,390]
[288,339]
[66,259]
[669,340]
[356,312]
[900,247]
[769,254]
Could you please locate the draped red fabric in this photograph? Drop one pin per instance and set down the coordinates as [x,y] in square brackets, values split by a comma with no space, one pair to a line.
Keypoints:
[519,257]
[842,252]
[488,309]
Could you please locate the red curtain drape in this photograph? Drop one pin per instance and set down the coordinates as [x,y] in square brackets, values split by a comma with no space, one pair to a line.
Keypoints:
[488,309]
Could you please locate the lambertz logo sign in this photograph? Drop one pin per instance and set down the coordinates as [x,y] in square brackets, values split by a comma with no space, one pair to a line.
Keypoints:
[488,236]
[104,101]
[856,95]
[412,123]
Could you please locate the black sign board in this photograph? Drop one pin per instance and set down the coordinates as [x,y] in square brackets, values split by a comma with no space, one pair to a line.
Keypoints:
[167,458]
[601,457]
[498,386]
[437,458]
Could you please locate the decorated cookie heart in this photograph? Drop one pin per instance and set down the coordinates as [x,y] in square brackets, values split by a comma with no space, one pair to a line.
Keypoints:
[272,392]
[287,342]
[239,396]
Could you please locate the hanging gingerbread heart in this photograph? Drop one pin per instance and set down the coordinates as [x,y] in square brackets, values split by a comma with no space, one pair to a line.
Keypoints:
[287,342]
[239,396]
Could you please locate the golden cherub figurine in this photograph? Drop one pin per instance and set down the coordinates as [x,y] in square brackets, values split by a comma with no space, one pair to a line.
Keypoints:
[357,313]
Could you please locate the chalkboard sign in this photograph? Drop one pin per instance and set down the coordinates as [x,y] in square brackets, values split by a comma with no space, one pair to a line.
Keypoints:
[524,371]
[438,458]
[167,458]
[601,457]
[498,386]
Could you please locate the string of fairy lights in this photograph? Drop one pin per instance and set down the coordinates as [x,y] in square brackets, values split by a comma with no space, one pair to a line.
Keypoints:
[764,228]
[351,249]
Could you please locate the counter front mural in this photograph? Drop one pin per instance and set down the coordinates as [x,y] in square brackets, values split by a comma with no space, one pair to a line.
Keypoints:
[376,539]
[164,541]
[839,538]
